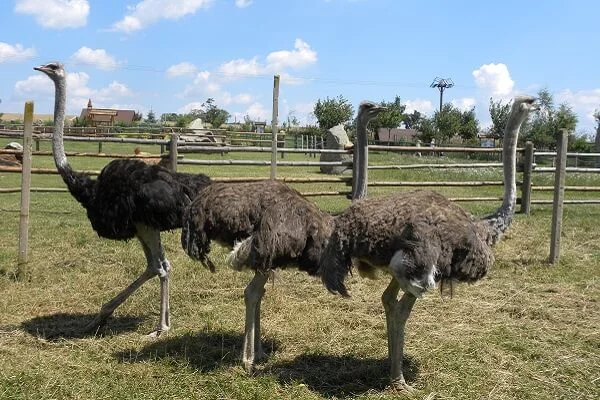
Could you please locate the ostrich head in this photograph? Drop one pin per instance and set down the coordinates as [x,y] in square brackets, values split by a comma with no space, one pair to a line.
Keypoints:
[367,110]
[521,107]
[54,70]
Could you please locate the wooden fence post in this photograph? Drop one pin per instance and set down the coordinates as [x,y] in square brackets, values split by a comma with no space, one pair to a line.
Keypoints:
[274,127]
[173,152]
[37,144]
[23,272]
[559,195]
[99,147]
[527,172]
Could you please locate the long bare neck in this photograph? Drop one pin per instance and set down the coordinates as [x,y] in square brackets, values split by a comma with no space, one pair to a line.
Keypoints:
[500,220]
[80,185]
[58,147]
[361,160]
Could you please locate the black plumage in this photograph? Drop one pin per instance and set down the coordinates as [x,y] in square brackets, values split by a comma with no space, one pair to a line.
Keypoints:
[128,199]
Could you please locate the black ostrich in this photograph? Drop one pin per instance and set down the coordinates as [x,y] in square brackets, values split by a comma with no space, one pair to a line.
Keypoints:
[269,225]
[419,238]
[128,199]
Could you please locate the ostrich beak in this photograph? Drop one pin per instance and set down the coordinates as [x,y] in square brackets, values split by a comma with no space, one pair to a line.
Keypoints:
[42,68]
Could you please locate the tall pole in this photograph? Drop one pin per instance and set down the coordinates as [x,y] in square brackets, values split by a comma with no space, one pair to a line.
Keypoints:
[442,84]
[274,127]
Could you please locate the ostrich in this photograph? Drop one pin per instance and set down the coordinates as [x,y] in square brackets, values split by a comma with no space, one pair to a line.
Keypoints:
[128,199]
[269,225]
[420,238]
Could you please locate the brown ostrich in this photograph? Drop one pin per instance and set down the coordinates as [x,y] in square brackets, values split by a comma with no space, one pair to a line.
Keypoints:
[128,199]
[269,225]
[420,238]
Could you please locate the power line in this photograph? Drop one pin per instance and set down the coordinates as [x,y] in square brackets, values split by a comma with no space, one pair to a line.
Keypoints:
[265,75]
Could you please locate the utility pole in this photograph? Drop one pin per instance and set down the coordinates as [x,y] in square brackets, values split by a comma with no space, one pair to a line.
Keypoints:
[442,84]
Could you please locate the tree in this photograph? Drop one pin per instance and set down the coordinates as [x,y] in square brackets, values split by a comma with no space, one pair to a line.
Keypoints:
[451,122]
[137,116]
[169,117]
[332,112]
[448,123]
[150,117]
[544,127]
[499,113]
[213,114]
[390,118]
[411,121]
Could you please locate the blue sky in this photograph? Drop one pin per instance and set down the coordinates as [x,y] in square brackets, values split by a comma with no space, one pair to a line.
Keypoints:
[170,56]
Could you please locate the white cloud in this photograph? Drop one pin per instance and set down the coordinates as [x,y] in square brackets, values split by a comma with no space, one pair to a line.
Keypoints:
[181,69]
[56,14]
[420,105]
[147,12]
[204,86]
[464,103]
[275,62]
[98,58]
[243,3]
[258,112]
[16,53]
[301,56]
[494,78]
[78,91]
[235,68]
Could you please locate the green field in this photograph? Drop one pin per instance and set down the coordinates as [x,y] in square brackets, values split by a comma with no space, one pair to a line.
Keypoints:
[526,331]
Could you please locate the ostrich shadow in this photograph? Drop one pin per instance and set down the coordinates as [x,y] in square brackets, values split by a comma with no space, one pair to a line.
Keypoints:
[204,351]
[72,326]
[339,376]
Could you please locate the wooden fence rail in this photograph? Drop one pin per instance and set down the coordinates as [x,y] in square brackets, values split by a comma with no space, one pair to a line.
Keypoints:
[186,147]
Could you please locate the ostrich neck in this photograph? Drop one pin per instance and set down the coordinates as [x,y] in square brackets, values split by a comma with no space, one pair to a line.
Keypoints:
[58,147]
[502,218]
[361,162]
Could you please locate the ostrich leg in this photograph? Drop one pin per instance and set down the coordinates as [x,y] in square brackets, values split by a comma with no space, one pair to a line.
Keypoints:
[396,314]
[253,297]
[157,264]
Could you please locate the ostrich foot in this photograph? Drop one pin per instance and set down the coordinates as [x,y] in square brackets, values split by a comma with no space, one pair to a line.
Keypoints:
[159,331]
[400,385]
[96,325]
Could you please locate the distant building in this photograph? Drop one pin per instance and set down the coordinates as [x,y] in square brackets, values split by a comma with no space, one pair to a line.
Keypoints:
[395,135]
[259,126]
[105,116]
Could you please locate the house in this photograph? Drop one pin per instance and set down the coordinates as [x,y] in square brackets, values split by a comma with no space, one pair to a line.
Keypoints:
[105,116]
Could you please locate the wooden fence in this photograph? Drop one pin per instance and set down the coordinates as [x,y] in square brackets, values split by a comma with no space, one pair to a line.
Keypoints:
[184,147]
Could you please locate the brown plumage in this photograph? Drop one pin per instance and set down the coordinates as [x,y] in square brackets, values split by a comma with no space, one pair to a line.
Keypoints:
[436,238]
[419,238]
[271,226]
[230,213]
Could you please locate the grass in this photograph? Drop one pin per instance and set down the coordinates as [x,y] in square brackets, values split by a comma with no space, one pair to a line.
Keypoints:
[527,331]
